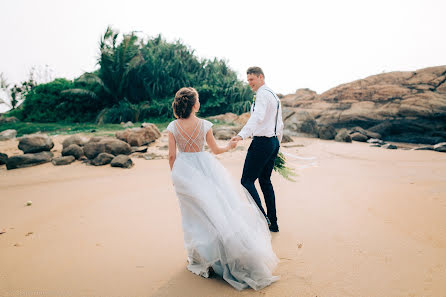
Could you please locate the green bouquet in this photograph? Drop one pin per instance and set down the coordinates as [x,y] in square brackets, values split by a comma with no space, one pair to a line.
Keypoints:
[281,168]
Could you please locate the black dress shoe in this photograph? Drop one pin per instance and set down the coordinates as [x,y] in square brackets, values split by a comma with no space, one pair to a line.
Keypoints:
[274,228]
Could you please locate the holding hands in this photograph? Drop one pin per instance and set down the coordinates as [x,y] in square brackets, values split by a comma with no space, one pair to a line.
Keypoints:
[233,142]
[236,138]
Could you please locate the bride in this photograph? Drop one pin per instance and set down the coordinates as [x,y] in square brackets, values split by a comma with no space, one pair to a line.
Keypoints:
[224,230]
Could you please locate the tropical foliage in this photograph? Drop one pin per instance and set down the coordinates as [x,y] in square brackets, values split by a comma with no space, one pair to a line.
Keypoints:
[136,81]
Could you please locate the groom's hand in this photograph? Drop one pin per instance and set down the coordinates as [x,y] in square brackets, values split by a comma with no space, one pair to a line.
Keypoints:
[236,138]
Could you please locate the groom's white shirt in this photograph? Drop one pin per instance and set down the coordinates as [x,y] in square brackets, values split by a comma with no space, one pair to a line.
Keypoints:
[261,122]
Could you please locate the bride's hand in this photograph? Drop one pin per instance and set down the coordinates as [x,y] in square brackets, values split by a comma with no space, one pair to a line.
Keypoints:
[232,144]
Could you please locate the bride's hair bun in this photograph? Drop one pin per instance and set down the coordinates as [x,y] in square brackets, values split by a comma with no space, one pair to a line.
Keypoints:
[184,101]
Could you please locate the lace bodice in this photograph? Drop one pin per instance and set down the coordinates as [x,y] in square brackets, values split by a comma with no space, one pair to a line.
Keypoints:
[193,142]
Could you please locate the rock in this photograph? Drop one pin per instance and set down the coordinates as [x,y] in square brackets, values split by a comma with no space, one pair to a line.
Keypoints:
[242,119]
[375,145]
[401,106]
[3,158]
[122,161]
[27,160]
[424,148]
[286,138]
[375,141]
[97,139]
[224,133]
[8,134]
[390,146]
[164,147]
[35,143]
[364,132]
[226,118]
[151,156]
[326,132]
[356,136]
[73,150]
[102,159]
[92,149]
[139,136]
[301,121]
[63,160]
[74,139]
[139,149]
[440,147]
[117,147]
[343,136]
[106,145]
[293,100]
[127,125]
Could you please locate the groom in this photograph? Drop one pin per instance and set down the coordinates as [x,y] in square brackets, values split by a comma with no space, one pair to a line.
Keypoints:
[266,127]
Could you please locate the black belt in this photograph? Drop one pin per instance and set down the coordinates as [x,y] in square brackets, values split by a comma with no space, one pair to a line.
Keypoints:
[264,137]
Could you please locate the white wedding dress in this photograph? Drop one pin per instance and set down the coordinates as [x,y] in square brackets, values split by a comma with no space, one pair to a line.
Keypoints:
[223,227]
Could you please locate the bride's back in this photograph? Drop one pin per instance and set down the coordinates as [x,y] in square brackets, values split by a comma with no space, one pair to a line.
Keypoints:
[190,135]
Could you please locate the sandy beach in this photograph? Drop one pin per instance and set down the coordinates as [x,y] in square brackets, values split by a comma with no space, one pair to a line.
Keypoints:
[359,221]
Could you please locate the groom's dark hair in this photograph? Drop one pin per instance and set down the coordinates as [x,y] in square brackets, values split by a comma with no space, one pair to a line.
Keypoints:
[255,70]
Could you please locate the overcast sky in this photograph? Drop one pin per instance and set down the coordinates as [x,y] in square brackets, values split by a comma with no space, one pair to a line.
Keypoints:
[299,44]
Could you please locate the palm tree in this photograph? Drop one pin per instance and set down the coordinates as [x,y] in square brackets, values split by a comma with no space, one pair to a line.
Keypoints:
[117,62]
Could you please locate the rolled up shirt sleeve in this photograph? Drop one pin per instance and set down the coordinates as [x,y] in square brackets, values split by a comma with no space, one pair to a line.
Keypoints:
[256,116]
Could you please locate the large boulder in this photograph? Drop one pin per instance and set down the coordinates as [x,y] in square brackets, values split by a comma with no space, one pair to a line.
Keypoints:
[343,136]
[224,118]
[106,145]
[102,159]
[356,136]
[35,143]
[73,150]
[139,136]
[300,123]
[122,161]
[74,139]
[224,132]
[242,119]
[8,134]
[294,100]
[401,106]
[3,158]
[63,160]
[326,132]
[28,160]
[368,134]
[440,147]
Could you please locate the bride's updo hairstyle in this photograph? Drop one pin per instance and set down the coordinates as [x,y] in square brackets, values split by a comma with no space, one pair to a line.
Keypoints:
[184,101]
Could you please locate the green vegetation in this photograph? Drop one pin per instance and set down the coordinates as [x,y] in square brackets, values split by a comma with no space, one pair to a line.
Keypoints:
[136,81]
[23,128]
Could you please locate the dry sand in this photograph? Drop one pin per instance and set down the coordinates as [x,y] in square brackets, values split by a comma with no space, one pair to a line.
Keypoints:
[361,222]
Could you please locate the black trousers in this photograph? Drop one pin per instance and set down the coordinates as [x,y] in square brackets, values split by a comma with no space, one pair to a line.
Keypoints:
[259,164]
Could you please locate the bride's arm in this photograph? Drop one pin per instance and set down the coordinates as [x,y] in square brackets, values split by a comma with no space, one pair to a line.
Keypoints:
[172,150]
[213,144]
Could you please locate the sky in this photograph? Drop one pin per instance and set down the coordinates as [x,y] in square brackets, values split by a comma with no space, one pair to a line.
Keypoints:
[299,44]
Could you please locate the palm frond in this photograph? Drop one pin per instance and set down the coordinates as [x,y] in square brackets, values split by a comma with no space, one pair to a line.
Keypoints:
[82,92]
